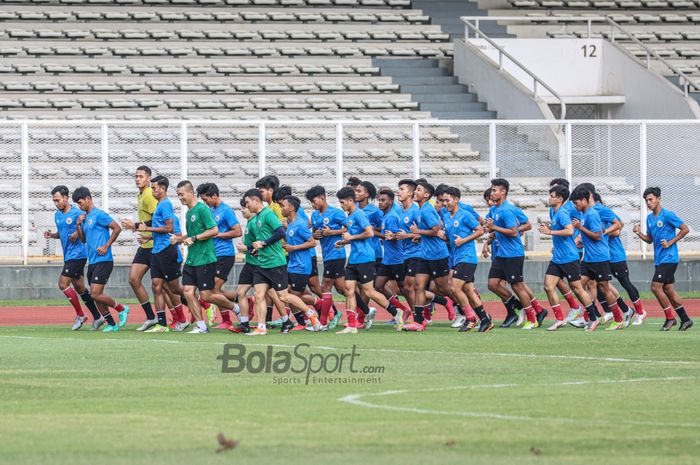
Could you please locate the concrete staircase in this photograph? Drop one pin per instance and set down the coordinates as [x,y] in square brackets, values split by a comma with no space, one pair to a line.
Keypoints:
[446,14]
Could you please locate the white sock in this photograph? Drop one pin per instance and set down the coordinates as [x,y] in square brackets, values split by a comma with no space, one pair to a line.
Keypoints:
[202,325]
[244,319]
[285,318]
[236,309]
[262,326]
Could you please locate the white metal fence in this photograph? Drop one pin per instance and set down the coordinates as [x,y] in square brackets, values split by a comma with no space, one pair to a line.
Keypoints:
[621,158]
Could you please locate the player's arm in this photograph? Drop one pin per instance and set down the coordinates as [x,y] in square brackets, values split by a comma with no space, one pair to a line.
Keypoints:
[232,233]
[207,234]
[547,230]
[277,235]
[682,231]
[510,232]
[432,232]
[478,232]
[596,236]
[167,228]
[79,228]
[366,233]
[614,228]
[48,234]
[116,230]
[309,244]
[327,231]
[524,227]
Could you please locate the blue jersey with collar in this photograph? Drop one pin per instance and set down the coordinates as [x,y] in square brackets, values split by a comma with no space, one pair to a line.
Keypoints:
[301,213]
[298,233]
[393,250]
[361,250]
[461,224]
[65,225]
[408,217]
[663,227]
[225,220]
[564,248]
[594,251]
[431,247]
[505,216]
[374,215]
[335,219]
[607,217]
[573,213]
[164,211]
[97,232]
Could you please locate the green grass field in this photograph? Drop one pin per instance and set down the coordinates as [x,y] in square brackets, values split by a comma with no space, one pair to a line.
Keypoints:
[508,397]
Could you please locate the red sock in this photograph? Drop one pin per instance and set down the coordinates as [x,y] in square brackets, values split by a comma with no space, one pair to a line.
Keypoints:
[174,316]
[180,314]
[352,322]
[617,313]
[426,313]
[638,306]
[251,308]
[469,313]
[225,315]
[74,300]
[119,307]
[585,315]
[669,313]
[394,300]
[557,312]
[318,303]
[530,313]
[569,296]
[204,304]
[326,305]
[536,305]
[360,316]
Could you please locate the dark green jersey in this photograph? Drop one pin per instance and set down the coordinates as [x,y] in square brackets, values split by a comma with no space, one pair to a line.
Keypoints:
[264,224]
[199,219]
[248,240]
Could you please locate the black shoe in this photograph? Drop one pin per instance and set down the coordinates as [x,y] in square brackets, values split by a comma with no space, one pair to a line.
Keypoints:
[486,326]
[287,327]
[668,324]
[509,321]
[467,326]
[541,316]
[242,328]
[686,325]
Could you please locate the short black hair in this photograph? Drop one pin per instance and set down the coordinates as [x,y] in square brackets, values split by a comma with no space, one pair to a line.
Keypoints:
[208,188]
[408,182]
[253,193]
[580,194]
[388,192]
[597,198]
[63,190]
[281,193]
[369,187]
[267,182]
[586,185]
[559,182]
[353,181]
[296,203]
[560,191]
[80,193]
[161,180]
[441,189]
[487,194]
[453,191]
[243,203]
[186,184]
[346,193]
[500,182]
[427,186]
[316,191]
[655,191]
[146,169]
[419,180]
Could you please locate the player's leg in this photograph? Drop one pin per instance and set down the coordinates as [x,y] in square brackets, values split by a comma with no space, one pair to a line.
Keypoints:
[574,307]
[65,285]
[98,276]
[84,293]
[158,287]
[459,294]
[350,306]
[422,282]
[485,322]
[190,292]
[260,288]
[551,281]
[606,290]
[136,274]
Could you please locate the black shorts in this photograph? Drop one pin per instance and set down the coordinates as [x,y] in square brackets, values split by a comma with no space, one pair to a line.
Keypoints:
[276,277]
[665,273]
[393,272]
[434,268]
[74,269]
[314,265]
[334,269]
[570,271]
[224,266]
[508,269]
[164,264]
[620,269]
[143,257]
[597,271]
[246,276]
[298,282]
[202,277]
[412,266]
[99,273]
[464,272]
[361,272]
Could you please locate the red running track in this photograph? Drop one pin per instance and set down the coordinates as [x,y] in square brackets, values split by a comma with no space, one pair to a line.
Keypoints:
[19,316]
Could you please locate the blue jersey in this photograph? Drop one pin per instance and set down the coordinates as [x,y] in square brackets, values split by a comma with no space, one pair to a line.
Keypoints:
[564,247]
[396,208]
[408,217]
[393,250]
[361,250]
[573,213]
[594,251]
[65,224]
[225,220]
[335,219]
[375,215]
[96,230]
[470,209]
[161,241]
[505,216]
[444,219]
[607,217]
[302,214]
[431,247]
[298,232]
[461,224]
[663,227]
[494,242]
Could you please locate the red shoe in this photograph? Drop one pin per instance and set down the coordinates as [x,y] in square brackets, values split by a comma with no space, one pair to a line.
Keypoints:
[450,309]
[361,326]
[172,325]
[414,327]
[299,327]
[225,325]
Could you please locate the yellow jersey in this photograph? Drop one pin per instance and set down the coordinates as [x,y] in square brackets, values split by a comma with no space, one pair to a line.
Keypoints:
[146,206]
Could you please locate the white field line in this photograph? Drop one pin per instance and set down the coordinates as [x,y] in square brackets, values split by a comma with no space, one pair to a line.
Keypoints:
[357,399]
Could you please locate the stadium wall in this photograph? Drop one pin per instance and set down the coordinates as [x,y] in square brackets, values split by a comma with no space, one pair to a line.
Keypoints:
[40,281]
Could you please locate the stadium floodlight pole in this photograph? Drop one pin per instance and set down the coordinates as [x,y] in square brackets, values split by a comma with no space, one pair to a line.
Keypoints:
[183,175]
[25,191]
[339,155]
[104,142]
[643,181]
[492,151]
[568,154]
[416,150]
[261,150]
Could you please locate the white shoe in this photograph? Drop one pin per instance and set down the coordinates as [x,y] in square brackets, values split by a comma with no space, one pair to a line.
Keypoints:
[147,325]
[574,314]
[521,318]
[607,317]
[578,323]
[179,327]
[78,323]
[639,319]
[459,321]
[627,317]
[198,330]
[557,324]
[322,327]
[347,330]
[97,323]
[369,319]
